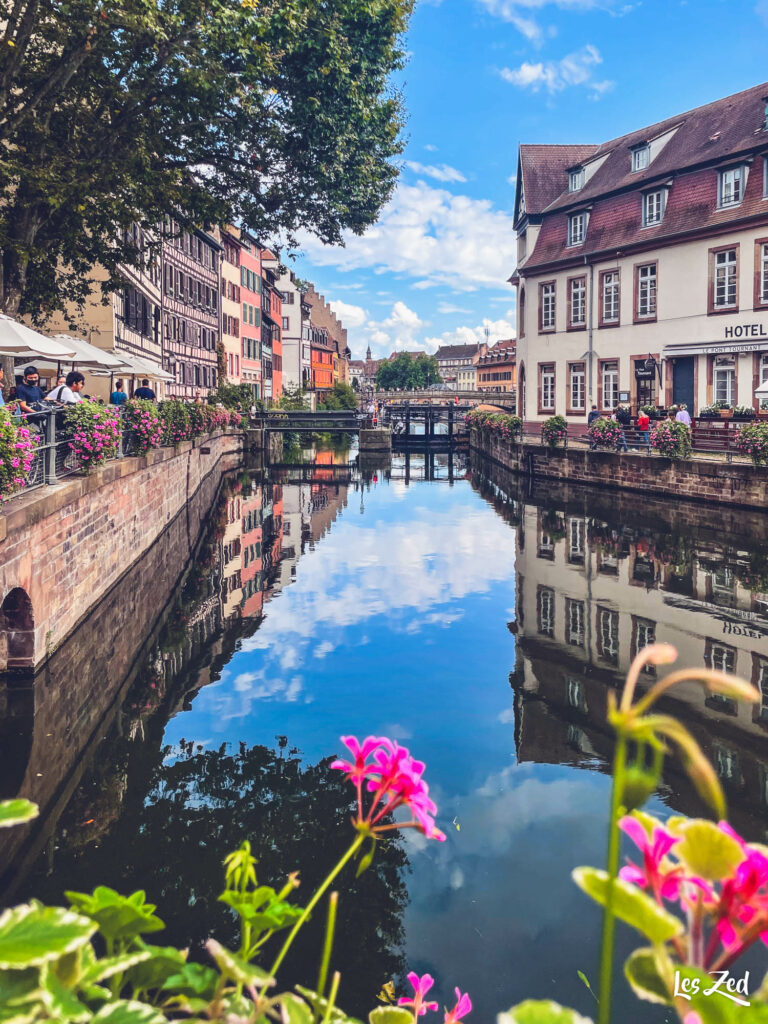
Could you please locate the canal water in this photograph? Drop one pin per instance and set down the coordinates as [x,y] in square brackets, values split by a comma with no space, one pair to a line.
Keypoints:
[473,617]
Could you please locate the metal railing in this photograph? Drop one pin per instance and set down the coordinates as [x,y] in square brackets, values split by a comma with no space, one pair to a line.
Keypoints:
[53,459]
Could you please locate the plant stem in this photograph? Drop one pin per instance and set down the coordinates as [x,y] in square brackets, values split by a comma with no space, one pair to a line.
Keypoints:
[333,902]
[332,996]
[609,921]
[309,907]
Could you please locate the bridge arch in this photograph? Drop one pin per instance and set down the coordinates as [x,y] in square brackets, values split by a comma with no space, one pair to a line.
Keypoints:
[17,631]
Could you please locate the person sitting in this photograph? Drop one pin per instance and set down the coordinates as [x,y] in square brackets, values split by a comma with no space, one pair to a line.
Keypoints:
[118,396]
[145,391]
[29,392]
[69,392]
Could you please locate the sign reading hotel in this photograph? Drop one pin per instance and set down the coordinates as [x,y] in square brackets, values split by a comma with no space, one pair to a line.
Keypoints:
[742,331]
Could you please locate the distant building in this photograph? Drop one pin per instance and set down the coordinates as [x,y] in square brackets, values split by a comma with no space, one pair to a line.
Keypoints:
[230,302]
[370,368]
[497,369]
[271,327]
[322,359]
[191,310]
[250,319]
[296,313]
[356,371]
[451,357]
[325,319]
[466,378]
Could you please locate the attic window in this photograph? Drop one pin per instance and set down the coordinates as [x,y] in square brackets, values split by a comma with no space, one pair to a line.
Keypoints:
[576,179]
[641,157]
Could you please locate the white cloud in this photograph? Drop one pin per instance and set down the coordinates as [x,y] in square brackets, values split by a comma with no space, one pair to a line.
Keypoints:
[440,172]
[554,76]
[433,236]
[447,307]
[520,13]
[430,148]
[350,316]
[512,179]
[498,330]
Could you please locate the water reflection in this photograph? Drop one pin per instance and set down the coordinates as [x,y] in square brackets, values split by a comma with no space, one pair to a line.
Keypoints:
[334,596]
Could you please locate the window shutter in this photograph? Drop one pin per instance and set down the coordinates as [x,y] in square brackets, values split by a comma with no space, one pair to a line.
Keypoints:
[569,298]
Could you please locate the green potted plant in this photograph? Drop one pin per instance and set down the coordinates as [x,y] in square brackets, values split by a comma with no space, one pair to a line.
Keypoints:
[724,410]
[651,411]
[710,412]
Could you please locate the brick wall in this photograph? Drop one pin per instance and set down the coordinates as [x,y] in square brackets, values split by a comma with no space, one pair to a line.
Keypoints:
[67,545]
[712,482]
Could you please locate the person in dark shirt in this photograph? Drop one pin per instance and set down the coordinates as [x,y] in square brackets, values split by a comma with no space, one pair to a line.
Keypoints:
[29,390]
[145,391]
[593,415]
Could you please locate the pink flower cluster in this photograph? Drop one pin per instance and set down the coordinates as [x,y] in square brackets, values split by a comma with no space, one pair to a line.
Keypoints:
[497,422]
[752,440]
[145,426]
[395,780]
[672,439]
[604,433]
[419,1005]
[736,908]
[17,450]
[95,434]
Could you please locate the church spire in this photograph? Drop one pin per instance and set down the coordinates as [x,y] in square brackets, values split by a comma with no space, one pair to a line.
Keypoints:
[368,354]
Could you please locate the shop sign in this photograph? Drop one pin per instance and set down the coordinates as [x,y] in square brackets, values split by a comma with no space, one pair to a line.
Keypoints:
[746,331]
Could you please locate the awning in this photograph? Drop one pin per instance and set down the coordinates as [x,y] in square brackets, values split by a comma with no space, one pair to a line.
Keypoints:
[18,340]
[714,348]
[89,355]
[762,391]
[139,366]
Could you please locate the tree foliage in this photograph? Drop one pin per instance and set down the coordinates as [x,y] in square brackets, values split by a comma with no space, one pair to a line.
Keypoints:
[340,396]
[276,114]
[405,372]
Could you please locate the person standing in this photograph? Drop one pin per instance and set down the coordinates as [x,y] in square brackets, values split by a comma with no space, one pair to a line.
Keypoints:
[29,391]
[145,391]
[68,393]
[683,416]
[118,396]
[621,416]
[644,427]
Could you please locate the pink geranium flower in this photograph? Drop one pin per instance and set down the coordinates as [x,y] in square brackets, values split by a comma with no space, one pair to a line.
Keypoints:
[663,881]
[421,985]
[461,1009]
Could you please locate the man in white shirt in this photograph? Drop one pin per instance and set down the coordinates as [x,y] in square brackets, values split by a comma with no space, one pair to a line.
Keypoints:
[69,393]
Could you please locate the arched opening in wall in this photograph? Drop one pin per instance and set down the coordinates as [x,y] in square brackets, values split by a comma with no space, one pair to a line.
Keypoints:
[521,392]
[17,631]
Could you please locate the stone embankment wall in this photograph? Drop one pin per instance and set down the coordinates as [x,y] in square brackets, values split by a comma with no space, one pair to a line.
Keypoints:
[63,547]
[713,482]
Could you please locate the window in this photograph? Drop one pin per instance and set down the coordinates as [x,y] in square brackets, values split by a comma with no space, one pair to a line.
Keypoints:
[577,302]
[645,384]
[286,323]
[644,634]
[576,179]
[610,394]
[546,602]
[726,265]
[575,622]
[653,207]
[731,186]
[725,381]
[641,157]
[608,635]
[575,695]
[609,297]
[576,378]
[577,228]
[763,272]
[646,292]
[547,387]
[547,306]
[576,537]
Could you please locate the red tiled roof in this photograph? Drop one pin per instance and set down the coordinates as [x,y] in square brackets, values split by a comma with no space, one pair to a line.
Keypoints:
[456,351]
[544,170]
[711,135]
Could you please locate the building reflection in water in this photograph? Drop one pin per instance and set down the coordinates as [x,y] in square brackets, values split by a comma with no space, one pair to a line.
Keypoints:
[600,576]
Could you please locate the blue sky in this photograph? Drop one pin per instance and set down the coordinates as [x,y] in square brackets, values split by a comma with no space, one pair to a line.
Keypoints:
[483,76]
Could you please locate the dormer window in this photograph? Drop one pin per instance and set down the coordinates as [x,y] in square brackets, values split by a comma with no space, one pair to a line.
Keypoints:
[654,204]
[731,186]
[577,228]
[641,157]
[576,179]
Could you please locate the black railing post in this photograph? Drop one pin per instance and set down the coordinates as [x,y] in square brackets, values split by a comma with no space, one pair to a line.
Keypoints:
[49,468]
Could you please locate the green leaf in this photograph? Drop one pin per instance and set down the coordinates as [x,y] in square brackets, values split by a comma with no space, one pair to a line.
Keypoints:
[32,934]
[367,858]
[320,1006]
[16,812]
[707,851]
[233,967]
[60,1001]
[295,1010]
[109,966]
[128,1011]
[390,1015]
[643,975]
[541,1012]
[630,905]
[192,980]
[119,918]
[163,962]
[19,991]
